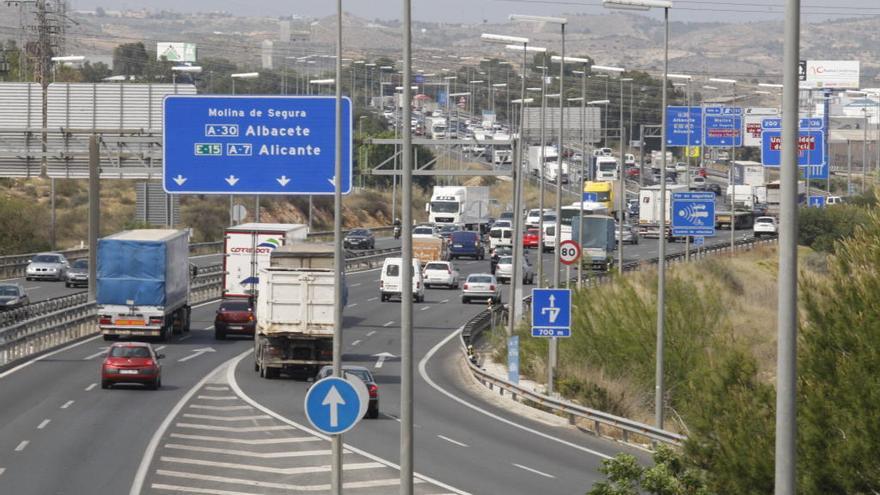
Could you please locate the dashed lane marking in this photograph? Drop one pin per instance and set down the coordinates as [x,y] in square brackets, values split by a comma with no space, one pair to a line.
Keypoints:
[67,404]
[388,324]
[246,441]
[454,442]
[43,424]
[90,387]
[371,333]
[356,342]
[540,473]
[22,445]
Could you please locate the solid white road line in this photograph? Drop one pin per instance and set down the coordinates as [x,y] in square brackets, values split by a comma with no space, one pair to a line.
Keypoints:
[423,365]
[248,453]
[192,489]
[220,408]
[67,404]
[388,324]
[242,429]
[371,333]
[90,387]
[43,424]
[356,342]
[227,418]
[22,445]
[534,471]
[138,483]
[281,486]
[230,376]
[454,442]
[372,299]
[247,441]
[217,397]
[351,466]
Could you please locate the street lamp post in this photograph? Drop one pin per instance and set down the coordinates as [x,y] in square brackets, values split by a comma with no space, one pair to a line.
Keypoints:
[659,411]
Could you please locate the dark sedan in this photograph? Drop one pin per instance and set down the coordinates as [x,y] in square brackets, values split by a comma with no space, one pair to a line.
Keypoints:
[359,239]
[12,296]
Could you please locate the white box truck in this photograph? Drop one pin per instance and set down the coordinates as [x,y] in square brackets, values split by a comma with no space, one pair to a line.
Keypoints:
[468,205]
[143,283]
[436,127]
[246,251]
[295,321]
[650,212]
[535,165]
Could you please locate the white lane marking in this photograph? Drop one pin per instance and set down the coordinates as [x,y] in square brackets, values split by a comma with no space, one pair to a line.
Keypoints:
[192,489]
[246,441]
[241,429]
[67,404]
[425,308]
[454,442]
[2,470]
[216,388]
[268,484]
[351,466]
[217,397]
[138,483]
[423,365]
[159,348]
[226,418]
[352,305]
[185,337]
[373,299]
[99,353]
[230,377]
[32,288]
[444,301]
[388,324]
[355,285]
[43,424]
[248,453]
[534,471]
[22,445]
[196,353]
[371,333]
[220,408]
[356,342]
[90,387]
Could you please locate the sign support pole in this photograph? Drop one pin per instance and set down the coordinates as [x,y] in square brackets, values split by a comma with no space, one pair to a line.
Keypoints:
[786,385]
[338,255]
[659,386]
[94,214]
[406,333]
[733,181]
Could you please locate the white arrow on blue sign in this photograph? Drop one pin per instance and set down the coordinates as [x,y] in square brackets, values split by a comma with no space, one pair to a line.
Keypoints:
[551,313]
[334,405]
[254,145]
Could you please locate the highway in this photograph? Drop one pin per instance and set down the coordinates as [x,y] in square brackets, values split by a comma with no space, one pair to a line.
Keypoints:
[226,429]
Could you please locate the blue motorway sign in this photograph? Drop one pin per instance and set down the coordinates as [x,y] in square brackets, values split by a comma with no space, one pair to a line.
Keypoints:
[684,126]
[254,145]
[591,196]
[811,146]
[693,213]
[333,405]
[722,127]
[551,313]
[699,241]
[817,201]
[513,359]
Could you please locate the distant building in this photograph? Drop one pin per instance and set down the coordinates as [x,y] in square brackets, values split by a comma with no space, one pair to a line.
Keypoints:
[284,31]
[268,52]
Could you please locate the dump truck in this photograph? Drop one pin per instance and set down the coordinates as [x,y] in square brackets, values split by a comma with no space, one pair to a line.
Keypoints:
[143,279]
[427,249]
[295,319]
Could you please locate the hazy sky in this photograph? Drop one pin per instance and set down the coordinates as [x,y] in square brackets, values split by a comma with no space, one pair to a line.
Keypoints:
[474,11]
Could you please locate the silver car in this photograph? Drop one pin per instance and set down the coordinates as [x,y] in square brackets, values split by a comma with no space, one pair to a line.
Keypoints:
[12,296]
[47,266]
[504,270]
[481,286]
[441,273]
[630,233]
[78,274]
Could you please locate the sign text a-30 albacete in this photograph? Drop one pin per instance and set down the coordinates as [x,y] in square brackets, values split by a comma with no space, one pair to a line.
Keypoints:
[254,145]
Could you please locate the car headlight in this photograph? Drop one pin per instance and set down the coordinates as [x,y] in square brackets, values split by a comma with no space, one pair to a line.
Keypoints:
[11,302]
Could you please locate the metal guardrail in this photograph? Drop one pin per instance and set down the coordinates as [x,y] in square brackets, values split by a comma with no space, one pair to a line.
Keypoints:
[328,234]
[627,429]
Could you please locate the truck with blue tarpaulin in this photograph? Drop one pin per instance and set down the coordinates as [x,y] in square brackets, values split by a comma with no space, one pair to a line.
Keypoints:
[597,242]
[143,279]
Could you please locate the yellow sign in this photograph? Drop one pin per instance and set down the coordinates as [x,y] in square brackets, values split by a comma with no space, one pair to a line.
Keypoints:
[693,151]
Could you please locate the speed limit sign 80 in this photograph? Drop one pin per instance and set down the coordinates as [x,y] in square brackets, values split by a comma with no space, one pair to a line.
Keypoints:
[569,252]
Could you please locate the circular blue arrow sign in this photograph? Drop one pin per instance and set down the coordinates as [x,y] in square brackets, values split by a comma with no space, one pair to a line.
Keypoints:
[333,405]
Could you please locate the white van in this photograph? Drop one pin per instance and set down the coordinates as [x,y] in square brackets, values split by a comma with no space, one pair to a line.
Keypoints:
[390,281]
[549,236]
[500,236]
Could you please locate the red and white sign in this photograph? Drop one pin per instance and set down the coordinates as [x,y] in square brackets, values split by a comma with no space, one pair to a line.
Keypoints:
[569,252]
[752,124]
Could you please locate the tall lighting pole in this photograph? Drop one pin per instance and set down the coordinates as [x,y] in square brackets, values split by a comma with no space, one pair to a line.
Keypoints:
[621,191]
[516,283]
[732,83]
[659,388]
[559,153]
[786,355]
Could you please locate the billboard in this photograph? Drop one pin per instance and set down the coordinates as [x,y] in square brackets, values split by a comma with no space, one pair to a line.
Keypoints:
[752,124]
[176,52]
[832,74]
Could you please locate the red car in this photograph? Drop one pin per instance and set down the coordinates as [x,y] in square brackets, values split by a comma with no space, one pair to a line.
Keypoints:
[530,238]
[234,316]
[132,362]
[632,173]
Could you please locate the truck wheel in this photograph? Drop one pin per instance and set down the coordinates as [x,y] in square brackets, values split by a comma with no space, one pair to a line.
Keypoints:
[272,373]
[188,321]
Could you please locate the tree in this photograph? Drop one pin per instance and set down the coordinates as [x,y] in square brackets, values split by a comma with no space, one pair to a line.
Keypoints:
[668,476]
[94,73]
[130,59]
